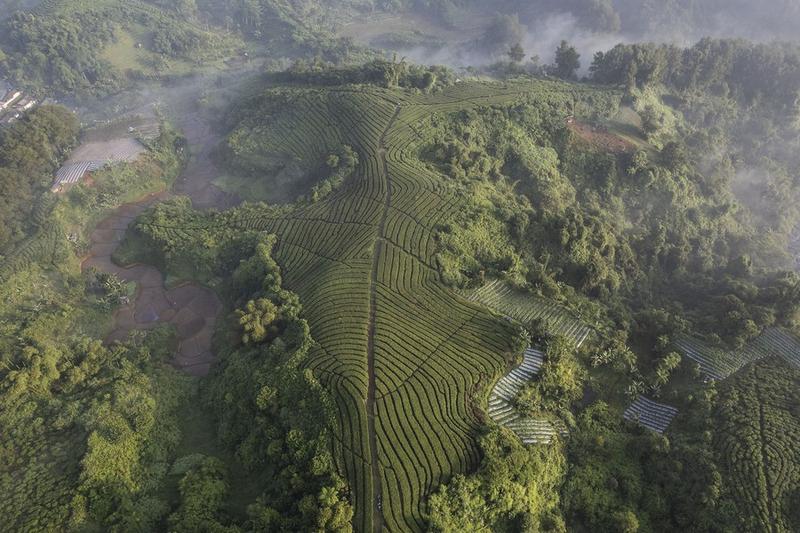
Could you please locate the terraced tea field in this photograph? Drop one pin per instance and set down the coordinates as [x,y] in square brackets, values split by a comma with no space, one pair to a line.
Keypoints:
[530,430]
[718,364]
[652,415]
[756,440]
[526,308]
[402,355]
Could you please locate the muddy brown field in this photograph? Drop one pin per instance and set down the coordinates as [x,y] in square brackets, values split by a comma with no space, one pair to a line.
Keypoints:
[191,308]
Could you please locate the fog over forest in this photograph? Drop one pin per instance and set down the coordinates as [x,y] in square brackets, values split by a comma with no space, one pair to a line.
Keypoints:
[590,25]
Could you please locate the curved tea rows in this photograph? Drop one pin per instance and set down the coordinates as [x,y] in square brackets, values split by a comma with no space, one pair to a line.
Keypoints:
[402,355]
[756,439]
[45,246]
[718,364]
[526,308]
[530,430]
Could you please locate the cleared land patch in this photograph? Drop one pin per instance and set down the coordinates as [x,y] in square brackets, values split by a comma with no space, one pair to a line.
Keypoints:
[124,53]
[94,155]
[192,309]
[601,137]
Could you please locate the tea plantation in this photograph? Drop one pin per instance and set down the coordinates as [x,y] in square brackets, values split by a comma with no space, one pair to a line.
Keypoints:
[401,354]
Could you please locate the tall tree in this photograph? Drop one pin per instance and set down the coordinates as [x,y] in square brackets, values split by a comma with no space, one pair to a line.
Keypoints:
[567,61]
[516,53]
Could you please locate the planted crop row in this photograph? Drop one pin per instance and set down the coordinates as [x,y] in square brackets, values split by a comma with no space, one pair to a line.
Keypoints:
[652,415]
[45,246]
[756,440]
[391,340]
[431,351]
[718,363]
[527,308]
[530,430]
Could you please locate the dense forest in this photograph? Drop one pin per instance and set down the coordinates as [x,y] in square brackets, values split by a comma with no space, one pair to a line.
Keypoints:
[641,20]
[49,49]
[89,426]
[638,227]
[271,412]
[30,151]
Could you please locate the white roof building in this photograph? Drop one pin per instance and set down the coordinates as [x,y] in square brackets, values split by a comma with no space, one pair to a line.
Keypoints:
[10,97]
[25,104]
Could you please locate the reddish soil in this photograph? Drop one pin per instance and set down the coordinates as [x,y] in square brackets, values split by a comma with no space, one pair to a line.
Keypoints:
[600,138]
[191,308]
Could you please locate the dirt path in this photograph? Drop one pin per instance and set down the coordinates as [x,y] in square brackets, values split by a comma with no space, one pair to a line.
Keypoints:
[377,490]
[191,308]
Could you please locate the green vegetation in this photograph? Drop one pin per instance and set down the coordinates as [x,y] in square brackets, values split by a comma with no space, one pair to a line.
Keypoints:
[111,426]
[30,152]
[567,61]
[736,98]
[328,255]
[90,429]
[288,182]
[96,48]
[619,228]
[96,428]
[395,73]
[633,480]
[534,312]
[559,383]
[274,413]
[271,413]
[451,187]
[58,229]
[444,321]
[153,172]
[755,437]
[514,489]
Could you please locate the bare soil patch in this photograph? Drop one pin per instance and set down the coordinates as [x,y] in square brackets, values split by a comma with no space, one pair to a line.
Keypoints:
[191,308]
[600,138]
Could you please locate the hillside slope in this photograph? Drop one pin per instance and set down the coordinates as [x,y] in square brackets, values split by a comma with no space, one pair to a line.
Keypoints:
[401,354]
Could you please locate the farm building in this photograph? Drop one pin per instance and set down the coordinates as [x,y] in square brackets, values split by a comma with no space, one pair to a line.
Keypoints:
[13,105]
[24,104]
[10,97]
